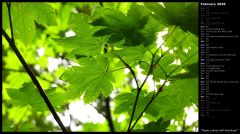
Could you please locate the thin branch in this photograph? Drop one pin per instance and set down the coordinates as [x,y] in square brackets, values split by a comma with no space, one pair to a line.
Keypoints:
[130,68]
[143,83]
[134,109]
[168,51]
[175,27]
[138,93]
[109,115]
[177,43]
[150,51]
[148,104]
[165,73]
[153,57]
[159,90]
[29,71]
[138,89]
[181,64]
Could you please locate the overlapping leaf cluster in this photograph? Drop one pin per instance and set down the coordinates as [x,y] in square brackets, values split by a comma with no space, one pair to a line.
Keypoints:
[100,38]
[134,36]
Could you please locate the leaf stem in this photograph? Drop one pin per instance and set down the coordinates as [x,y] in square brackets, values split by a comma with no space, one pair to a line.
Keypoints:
[20,122]
[117,69]
[29,71]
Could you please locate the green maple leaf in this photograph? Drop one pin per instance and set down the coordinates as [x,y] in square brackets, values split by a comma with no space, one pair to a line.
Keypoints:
[158,126]
[131,54]
[125,102]
[91,78]
[184,15]
[28,95]
[178,95]
[23,16]
[120,26]
[83,43]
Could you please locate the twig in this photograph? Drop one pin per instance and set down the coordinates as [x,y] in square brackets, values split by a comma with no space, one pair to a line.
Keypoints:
[144,81]
[130,68]
[148,104]
[134,109]
[182,64]
[153,57]
[138,88]
[117,69]
[29,71]
[177,43]
[175,27]
[159,90]
[168,51]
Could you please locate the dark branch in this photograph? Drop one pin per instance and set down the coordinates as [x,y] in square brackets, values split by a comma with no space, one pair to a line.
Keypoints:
[149,72]
[109,115]
[159,90]
[138,89]
[148,104]
[45,79]
[35,81]
[153,57]
[134,109]
[130,68]
[30,73]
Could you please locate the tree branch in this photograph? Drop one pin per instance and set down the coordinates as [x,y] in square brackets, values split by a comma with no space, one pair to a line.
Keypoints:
[130,68]
[134,109]
[148,104]
[175,27]
[47,80]
[153,57]
[159,90]
[138,89]
[149,72]
[29,71]
[181,64]
[109,115]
